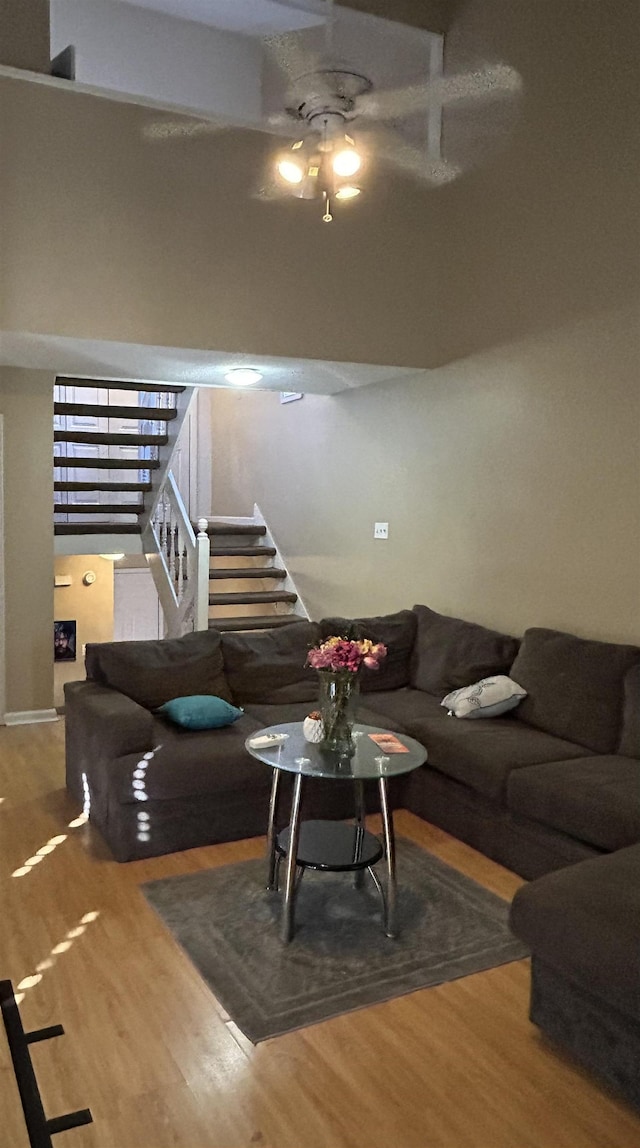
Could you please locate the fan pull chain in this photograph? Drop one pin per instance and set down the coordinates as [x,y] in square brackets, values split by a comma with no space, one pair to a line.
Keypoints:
[327,217]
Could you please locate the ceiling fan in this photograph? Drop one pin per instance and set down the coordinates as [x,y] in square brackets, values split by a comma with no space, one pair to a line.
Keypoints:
[338,122]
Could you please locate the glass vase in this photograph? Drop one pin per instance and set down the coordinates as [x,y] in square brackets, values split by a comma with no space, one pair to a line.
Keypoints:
[337,704]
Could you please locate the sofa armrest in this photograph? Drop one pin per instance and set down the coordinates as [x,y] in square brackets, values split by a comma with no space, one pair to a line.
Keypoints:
[101,724]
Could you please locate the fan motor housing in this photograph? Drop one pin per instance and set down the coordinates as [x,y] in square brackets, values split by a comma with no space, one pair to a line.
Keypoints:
[328,91]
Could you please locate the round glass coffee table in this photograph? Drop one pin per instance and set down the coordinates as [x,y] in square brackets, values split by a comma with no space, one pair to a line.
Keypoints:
[331,845]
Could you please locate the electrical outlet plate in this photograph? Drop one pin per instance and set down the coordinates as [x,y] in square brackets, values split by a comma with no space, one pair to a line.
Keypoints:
[381,530]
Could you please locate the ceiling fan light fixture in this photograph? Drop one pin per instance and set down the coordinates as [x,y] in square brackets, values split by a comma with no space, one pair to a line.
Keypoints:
[346,162]
[348,192]
[243,376]
[289,170]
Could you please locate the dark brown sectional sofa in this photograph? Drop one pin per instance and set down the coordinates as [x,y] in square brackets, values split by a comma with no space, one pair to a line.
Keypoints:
[552,783]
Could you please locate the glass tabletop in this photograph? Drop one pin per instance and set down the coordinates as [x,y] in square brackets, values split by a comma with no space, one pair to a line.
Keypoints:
[296,755]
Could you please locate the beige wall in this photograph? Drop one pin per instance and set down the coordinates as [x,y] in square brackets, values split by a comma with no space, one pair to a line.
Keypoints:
[26,402]
[509,477]
[510,483]
[90,606]
[24,34]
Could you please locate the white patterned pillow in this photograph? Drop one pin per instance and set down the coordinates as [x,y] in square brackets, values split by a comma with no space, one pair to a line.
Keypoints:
[489,697]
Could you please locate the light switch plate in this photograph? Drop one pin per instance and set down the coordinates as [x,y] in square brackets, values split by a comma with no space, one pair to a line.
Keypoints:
[381,530]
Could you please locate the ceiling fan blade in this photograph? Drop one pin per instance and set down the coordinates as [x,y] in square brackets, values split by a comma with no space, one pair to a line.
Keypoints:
[185,128]
[271,190]
[491,81]
[391,148]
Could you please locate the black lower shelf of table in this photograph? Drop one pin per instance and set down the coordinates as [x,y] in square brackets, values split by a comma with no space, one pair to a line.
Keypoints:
[332,846]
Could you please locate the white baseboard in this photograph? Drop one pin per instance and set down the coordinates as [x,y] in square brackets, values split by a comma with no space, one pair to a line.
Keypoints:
[27,717]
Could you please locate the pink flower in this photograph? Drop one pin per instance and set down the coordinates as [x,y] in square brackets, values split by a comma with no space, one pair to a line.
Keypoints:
[346,654]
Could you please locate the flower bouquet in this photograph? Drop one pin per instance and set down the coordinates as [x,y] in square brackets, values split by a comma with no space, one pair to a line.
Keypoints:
[338,662]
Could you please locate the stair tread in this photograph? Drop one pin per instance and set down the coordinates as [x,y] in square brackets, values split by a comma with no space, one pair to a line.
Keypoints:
[233,528]
[257,623]
[105,486]
[218,573]
[243,551]
[104,439]
[98,508]
[93,463]
[107,411]
[96,528]
[252,596]
[112,385]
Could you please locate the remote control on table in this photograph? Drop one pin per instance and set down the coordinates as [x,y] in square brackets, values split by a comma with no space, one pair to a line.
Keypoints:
[268,740]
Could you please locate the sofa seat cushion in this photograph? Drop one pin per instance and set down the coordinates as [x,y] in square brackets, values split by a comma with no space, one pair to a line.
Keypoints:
[189,763]
[153,672]
[480,754]
[585,921]
[450,653]
[596,799]
[268,666]
[366,714]
[575,686]
[395,631]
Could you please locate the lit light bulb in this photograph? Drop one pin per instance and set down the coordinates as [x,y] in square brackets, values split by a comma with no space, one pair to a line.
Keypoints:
[346,162]
[290,171]
[347,192]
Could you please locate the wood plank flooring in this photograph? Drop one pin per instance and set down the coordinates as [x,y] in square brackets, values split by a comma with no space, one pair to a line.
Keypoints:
[154,1056]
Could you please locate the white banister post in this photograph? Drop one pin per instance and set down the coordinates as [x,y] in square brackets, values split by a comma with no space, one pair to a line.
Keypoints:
[202,581]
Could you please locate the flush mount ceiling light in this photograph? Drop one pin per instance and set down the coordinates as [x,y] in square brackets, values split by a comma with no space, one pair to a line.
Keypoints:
[243,376]
[112,557]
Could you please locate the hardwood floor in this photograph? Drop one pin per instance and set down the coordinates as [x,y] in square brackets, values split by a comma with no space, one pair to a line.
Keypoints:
[154,1056]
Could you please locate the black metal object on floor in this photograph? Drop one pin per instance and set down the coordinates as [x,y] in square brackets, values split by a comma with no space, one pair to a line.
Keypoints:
[39,1128]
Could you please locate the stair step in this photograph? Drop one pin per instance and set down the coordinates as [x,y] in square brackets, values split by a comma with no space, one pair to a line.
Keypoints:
[217,572]
[98,508]
[96,528]
[252,596]
[243,551]
[266,623]
[110,439]
[93,463]
[233,528]
[118,487]
[105,410]
[115,385]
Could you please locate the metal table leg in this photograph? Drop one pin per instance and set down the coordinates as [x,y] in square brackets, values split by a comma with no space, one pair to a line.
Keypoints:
[390,852]
[290,890]
[360,828]
[271,831]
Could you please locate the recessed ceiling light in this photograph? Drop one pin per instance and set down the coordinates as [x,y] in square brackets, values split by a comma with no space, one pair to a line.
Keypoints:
[243,376]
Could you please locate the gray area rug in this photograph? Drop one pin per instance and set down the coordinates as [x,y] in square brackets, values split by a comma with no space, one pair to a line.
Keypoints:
[339,958]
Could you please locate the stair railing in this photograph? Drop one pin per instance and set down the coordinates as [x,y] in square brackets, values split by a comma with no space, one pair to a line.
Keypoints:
[179,561]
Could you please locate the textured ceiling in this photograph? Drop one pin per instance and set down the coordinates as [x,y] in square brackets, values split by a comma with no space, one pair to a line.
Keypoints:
[120,361]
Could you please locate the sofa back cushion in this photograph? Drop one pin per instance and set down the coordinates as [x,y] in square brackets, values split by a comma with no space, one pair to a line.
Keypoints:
[450,653]
[268,666]
[575,686]
[630,738]
[396,631]
[154,672]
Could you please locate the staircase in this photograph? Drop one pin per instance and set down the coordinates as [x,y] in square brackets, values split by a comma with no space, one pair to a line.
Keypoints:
[249,585]
[111,443]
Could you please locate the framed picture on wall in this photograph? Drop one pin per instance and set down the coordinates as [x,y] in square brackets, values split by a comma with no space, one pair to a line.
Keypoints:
[64,641]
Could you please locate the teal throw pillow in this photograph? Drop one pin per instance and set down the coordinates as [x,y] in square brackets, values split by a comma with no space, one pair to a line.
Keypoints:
[200,711]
